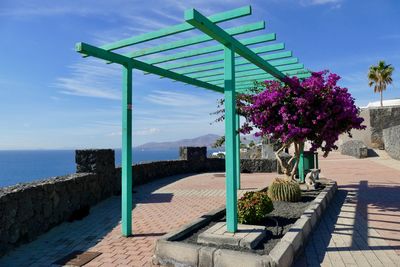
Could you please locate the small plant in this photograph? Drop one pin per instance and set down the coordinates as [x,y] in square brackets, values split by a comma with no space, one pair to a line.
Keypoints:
[284,190]
[253,207]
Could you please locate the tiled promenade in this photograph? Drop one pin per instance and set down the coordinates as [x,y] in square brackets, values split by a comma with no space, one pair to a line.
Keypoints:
[361,228]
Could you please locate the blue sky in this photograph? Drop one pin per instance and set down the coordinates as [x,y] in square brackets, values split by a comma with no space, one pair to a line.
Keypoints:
[52,98]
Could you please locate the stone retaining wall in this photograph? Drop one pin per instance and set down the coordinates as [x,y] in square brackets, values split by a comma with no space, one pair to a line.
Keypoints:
[30,209]
[376,119]
[391,139]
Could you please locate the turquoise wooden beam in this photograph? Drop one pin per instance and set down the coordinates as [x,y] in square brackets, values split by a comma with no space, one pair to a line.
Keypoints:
[230,141]
[204,60]
[246,68]
[194,40]
[94,51]
[220,17]
[117,58]
[248,84]
[126,183]
[266,76]
[193,17]
[237,150]
[211,49]
[252,73]
[220,65]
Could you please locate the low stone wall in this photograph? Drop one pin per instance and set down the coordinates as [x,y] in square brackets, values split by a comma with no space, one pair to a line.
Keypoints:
[391,139]
[28,210]
[376,119]
[354,148]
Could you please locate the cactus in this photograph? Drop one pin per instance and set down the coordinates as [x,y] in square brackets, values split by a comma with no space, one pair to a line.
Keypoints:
[284,190]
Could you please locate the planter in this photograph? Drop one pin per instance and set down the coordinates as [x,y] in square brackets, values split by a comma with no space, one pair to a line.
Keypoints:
[172,249]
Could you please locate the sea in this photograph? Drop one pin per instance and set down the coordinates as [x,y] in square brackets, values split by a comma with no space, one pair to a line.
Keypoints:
[20,166]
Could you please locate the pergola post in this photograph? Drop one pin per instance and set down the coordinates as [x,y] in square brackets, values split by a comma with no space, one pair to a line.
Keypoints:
[230,139]
[238,151]
[126,191]
[251,65]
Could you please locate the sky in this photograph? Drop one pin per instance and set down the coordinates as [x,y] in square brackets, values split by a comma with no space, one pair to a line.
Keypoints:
[52,98]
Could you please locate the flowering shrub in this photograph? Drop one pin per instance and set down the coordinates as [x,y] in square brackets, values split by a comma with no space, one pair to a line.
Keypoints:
[315,109]
[253,207]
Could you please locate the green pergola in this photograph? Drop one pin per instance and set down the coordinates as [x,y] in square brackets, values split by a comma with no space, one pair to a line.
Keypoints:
[228,67]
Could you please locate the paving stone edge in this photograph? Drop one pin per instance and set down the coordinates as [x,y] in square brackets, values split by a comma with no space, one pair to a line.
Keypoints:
[293,242]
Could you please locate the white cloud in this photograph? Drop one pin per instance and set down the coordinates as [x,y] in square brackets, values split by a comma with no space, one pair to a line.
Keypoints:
[92,78]
[148,131]
[332,3]
[174,99]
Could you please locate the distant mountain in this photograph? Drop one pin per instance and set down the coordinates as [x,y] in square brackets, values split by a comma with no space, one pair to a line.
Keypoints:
[205,140]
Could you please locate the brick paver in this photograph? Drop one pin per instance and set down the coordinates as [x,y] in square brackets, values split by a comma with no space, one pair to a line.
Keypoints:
[160,207]
[360,228]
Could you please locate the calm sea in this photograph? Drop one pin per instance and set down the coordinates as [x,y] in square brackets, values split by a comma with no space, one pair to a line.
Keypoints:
[25,166]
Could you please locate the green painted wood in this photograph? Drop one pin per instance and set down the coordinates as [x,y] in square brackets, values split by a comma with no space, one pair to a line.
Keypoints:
[300,166]
[263,77]
[211,49]
[94,51]
[126,183]
[247,67]
[220,65]
[194,40]
[252,73]
[201,61]
[237,151]
[220,17]
[117,58]
[230,141]
[193,17]
[243,86]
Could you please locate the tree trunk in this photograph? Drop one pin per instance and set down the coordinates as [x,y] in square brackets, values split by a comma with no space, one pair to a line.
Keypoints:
[381,98]
[285,167]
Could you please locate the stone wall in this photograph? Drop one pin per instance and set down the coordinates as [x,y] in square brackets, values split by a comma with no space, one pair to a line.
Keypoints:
[28,210]
[391,139]
[354,148]
[376,119]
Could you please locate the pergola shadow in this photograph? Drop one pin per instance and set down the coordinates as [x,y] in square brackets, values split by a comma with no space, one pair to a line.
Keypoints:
[344,226]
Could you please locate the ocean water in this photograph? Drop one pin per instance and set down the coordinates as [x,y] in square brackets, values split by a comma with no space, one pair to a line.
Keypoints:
[30,165]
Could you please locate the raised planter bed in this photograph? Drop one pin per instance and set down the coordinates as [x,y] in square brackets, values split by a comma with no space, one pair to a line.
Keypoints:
[279,248]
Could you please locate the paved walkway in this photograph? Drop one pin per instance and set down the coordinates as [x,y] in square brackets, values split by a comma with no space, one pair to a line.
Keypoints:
[361,228]
[161,206]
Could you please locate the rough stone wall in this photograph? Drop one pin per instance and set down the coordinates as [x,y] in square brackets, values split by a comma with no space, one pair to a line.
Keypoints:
[354,148]
[382,118]
[376,119]
[391,139]
[28,210]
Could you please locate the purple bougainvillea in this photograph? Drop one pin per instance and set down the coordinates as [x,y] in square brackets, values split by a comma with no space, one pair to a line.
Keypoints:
[315,109]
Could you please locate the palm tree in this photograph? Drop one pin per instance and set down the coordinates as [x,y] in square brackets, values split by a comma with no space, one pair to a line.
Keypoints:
[380,76]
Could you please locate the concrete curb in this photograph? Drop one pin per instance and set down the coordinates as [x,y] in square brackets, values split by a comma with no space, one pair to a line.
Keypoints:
[296,237]
[169,252]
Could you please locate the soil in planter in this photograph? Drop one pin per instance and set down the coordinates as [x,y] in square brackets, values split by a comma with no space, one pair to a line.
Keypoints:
[277,223]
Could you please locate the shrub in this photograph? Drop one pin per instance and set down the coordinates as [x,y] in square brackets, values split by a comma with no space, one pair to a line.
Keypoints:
[253,207]
[284,190]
